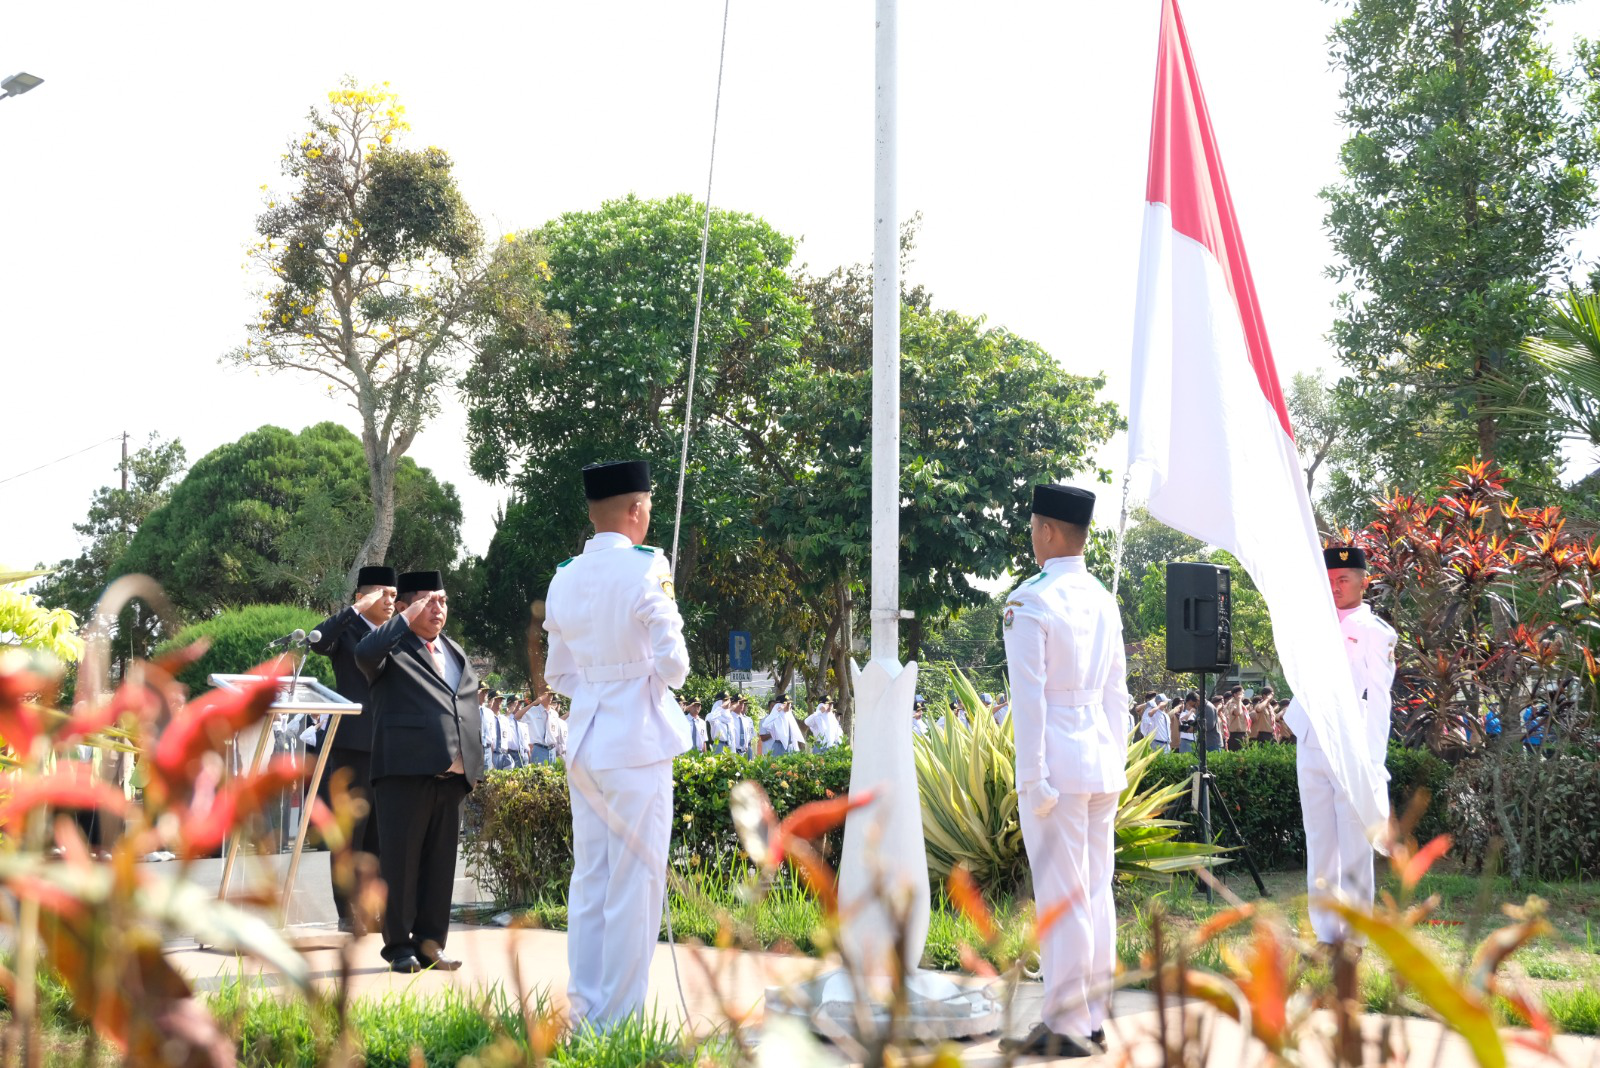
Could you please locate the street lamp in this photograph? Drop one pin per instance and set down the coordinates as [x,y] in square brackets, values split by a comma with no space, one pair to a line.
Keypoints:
[18,84]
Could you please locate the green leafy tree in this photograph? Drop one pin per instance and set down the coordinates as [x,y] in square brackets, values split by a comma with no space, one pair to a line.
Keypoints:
[275,516]
[1567,349]
[609,380]
[1469,169]
[237,641]
[1147,542]
[116,514]
[375,274]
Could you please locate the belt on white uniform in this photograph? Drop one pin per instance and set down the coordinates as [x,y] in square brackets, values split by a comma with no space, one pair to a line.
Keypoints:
[1074,697]
[619,672]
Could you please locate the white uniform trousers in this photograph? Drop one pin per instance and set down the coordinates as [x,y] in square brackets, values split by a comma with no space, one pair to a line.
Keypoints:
[621,829]
[1338,855]
[1071,852]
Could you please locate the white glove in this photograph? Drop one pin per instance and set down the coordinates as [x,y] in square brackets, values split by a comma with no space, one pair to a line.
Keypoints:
[1041,797]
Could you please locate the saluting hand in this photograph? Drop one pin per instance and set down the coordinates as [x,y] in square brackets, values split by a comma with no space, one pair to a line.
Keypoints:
[364,603]
[417,607]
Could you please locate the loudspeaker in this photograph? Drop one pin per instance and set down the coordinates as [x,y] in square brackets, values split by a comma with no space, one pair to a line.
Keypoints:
[1199,617]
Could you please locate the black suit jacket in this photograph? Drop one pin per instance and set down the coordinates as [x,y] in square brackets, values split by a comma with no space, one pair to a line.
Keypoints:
[419,726]
[340,634]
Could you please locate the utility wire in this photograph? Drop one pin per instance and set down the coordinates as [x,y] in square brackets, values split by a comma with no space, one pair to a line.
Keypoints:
[62,459]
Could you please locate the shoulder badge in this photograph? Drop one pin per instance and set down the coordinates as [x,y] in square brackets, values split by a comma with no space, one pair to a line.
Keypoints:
[646,549]
[666,587]
[1035,578]
[1011,613]
[567,561]
[1013,604]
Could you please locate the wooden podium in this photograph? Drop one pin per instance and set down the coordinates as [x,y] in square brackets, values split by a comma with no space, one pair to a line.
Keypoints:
[296,695]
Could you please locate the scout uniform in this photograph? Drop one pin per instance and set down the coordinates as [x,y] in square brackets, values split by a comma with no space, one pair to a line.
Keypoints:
[1338,854]
[617,650]
[1069,696]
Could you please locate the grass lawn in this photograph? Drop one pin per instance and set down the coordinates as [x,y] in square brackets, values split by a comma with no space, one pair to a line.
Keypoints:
[1562,968]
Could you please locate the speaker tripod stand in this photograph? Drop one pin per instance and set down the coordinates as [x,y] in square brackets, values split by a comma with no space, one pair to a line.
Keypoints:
[1206,788]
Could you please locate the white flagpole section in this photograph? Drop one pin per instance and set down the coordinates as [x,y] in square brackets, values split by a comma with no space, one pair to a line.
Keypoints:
[885,351]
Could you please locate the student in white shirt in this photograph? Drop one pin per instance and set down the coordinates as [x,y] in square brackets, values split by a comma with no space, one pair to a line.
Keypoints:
[780,733]
[824,726]
[1155,724]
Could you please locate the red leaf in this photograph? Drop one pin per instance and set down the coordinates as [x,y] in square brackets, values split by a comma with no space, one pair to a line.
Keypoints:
[816,818]
[1418,865]
[966,897]
[72,785]
[817,875]
[241,799]
[205,724]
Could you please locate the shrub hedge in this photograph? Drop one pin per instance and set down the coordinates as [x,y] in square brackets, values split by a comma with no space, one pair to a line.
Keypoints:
[519,822]
[1542,815]
[239,640]
[1262,789]
[518,833]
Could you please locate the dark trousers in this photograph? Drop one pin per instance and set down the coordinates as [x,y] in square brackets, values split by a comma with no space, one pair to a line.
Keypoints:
[1235,741]
[419,823]
[364,834]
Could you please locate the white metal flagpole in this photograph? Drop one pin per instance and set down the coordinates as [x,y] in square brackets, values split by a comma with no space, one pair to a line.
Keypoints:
[885,350]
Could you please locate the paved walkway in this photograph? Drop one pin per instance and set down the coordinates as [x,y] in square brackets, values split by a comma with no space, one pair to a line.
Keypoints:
[721,985]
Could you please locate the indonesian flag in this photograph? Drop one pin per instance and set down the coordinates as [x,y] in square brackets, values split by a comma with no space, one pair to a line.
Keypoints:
[1210,445]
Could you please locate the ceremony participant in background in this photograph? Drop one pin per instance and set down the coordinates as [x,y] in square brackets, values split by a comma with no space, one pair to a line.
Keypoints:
[1069,700]
[1280,728]
[337,638]
[1189,722]
[558,729]
[1236,718]
[826,731]
[1262,715]
[700,737]
[919,717]
[1153,723]
[744,727]
[541,750]
[426,757]
[617,650]
[1338,853]
[780,733]
[719,726]
[510,737]
[1002,709]
[960,714]
[523,717]
[489,733]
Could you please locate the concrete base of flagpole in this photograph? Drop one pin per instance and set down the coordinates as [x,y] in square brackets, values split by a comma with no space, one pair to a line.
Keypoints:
[938,1008]
[883,889]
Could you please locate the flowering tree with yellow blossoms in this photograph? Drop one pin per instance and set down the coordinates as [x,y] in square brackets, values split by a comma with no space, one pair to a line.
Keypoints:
[375,275]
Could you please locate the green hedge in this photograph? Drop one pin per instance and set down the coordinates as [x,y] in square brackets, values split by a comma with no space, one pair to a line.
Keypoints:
[518,834]
[239,640]
[1263,790]
[1542,816]
[519,822]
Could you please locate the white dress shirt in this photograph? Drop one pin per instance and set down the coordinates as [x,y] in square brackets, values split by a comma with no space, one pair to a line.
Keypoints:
[1069,688]
[825,729]
[617,650]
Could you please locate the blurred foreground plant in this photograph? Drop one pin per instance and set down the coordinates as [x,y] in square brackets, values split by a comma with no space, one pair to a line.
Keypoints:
[100,924]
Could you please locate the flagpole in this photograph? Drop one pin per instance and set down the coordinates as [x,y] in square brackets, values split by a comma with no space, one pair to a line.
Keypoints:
[885,348]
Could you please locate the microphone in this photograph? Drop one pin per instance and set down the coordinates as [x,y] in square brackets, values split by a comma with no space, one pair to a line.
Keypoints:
[288,639]
[314,637]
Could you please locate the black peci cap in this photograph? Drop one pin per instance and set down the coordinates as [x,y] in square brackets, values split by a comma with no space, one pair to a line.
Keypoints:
[1066,503]
[616,477]
[375,575]
[419,582]
[1343,556]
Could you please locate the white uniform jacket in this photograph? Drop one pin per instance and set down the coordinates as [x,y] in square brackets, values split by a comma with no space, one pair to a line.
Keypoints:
[617,650]
[825,729]
[1369,643]
[1069,688]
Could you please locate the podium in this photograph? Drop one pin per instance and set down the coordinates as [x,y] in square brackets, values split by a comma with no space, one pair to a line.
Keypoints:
[296,695]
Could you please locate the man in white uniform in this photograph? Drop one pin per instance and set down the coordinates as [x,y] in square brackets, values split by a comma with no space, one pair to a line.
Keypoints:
[744,728]
[1069,700]
[537,722]
[558,731]
[780,732]
[719,725]
[617,650]
[1154,722]
[515,756]
[1338,853]
[824,726]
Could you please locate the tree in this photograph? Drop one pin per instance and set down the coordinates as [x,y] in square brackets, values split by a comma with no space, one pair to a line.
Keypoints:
[1469,169]
[1147,543]
[376,274]
[116,514]
[274,516]
[1568,351]
[609,380]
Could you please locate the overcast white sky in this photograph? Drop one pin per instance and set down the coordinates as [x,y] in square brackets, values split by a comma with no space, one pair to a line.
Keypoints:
[132,177]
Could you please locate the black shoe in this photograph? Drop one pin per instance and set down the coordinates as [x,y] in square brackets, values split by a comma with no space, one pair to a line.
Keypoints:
[442,963]
[1098,1037]
[1043,1042]
[406,962]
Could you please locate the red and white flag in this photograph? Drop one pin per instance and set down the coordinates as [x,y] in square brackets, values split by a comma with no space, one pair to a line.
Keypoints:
[1210,446]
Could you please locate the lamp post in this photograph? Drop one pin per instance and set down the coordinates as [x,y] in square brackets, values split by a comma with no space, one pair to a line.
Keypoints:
[18,84]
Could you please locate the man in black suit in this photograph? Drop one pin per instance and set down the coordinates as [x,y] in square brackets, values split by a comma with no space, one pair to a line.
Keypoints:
[352,741]
[425,758]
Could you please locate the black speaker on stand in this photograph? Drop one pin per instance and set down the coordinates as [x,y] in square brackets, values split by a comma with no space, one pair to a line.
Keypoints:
[1200,639]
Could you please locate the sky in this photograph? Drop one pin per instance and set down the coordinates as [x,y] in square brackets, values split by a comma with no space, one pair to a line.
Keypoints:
[132,178]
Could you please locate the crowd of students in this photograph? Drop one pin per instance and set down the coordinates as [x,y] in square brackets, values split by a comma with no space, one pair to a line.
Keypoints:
[516,730]
[730,725]
[1230,719]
